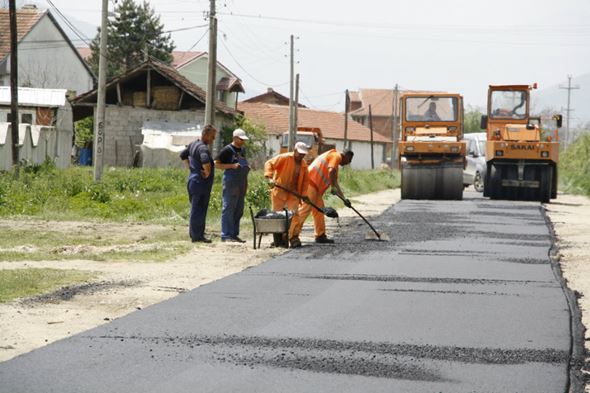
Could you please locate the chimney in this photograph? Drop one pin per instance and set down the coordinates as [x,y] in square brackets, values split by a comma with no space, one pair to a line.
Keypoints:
[269,90]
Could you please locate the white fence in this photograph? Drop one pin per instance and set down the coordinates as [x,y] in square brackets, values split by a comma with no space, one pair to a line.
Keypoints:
[36,144]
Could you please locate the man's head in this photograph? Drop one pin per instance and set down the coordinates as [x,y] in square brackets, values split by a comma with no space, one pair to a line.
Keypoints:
[239,137]
[300,150]
[432,106]
[208,134]
[346,157]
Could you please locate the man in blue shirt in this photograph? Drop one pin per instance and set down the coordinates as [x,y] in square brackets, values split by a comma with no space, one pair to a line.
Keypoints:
[232,159]
[198,160]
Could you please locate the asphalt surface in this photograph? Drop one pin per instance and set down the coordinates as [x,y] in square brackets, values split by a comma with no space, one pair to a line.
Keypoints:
[462,299]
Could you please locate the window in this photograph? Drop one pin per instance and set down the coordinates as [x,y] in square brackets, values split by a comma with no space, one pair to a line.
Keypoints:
[431,109]
[509,104]
[26,117]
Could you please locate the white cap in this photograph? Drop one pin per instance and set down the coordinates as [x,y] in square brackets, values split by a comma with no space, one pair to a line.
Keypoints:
[239,133]
[302,148]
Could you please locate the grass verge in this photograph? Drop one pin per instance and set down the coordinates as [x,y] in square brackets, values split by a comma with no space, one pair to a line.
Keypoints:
[574,167]
[29,282]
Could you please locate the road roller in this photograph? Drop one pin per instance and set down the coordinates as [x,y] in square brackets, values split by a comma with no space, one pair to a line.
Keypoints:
[431,147]
[522,151]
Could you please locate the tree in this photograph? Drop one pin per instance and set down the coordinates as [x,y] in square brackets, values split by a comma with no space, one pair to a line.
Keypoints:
[472,120]
[134,29]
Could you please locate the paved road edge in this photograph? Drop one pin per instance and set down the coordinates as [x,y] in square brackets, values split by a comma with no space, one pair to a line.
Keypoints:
[575,382]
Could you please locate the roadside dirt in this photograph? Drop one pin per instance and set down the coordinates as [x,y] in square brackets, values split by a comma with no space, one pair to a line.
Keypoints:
[570,215]
[126,286]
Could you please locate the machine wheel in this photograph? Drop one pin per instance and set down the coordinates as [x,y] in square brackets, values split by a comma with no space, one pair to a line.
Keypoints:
[495,183]
[425,182]
[451,184]
[545,184]
[555,181]
[486,185]
[478,182]
[418,182]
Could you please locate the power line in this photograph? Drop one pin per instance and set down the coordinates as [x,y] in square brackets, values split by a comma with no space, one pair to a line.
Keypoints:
[246,71]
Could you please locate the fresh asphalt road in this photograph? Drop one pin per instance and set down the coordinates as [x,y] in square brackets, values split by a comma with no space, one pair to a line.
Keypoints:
[463,299]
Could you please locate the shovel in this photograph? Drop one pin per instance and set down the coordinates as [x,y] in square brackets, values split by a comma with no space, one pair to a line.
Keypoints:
[327,211]
[370,235]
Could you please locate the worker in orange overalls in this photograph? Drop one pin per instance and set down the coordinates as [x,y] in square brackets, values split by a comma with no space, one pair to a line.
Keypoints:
[289,171]
[323,174]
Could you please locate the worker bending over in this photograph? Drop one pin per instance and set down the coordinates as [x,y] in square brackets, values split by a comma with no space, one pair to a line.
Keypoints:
[289,172]
[323,174]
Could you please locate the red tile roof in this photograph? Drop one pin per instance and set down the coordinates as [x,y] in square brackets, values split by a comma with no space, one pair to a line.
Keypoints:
[85,53]
[181,58]
[25,20]
[276,120]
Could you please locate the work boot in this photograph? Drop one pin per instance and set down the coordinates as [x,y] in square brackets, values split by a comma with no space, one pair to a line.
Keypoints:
[295,242]
[323,239]
[237,238]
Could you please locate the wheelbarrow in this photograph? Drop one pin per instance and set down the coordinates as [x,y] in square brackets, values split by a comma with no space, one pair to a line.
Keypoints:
[262,224]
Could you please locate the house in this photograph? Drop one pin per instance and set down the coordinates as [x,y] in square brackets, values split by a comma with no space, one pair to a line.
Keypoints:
[271,97]
[194,66]
[275,119]
[46,57]
[152,91]
[45,128]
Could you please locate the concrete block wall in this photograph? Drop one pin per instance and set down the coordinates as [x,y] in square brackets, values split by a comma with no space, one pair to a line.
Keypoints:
[123,129]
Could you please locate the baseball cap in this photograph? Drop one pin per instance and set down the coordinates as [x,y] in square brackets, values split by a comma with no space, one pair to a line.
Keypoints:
[302,148]
[240,134]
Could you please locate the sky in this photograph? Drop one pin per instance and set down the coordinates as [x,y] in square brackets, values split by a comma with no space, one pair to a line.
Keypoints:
[459,46]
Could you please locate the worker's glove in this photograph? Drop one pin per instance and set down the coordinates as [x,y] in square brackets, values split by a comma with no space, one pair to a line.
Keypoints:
[271,183]
[347,202]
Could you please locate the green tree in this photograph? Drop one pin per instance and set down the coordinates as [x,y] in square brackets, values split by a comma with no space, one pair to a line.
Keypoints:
[472,119]
[134,28]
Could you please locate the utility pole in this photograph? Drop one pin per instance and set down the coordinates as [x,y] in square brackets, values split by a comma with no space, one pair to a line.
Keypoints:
[395,125]
[346,109]
[296,106]
[292,133]
[211,73]
[13,85]
[99,128]
[371,128]
[569,89]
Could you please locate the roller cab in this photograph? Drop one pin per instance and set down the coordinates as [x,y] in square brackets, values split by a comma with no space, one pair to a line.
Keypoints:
[431,150]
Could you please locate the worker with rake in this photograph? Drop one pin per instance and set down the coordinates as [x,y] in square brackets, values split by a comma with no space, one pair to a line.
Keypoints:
[323,174]
[288,175]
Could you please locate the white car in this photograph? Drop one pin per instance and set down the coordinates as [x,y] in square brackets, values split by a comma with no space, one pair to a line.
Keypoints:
[475,171]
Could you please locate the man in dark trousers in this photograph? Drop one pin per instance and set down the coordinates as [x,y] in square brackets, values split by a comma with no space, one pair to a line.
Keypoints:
[198,160]
[232,159]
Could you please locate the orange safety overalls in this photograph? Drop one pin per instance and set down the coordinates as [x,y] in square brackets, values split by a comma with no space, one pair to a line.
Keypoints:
[283,170]
[319,182]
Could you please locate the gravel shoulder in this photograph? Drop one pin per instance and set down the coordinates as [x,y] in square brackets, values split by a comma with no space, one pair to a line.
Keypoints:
[570,215]
[126,286]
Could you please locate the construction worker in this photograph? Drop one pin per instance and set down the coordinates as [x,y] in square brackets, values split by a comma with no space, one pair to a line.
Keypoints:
[288,171]
[232,159]
[323,174]
[197,159]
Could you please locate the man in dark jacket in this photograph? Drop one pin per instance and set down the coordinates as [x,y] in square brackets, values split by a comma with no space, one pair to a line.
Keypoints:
[232,160]
[198,160]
